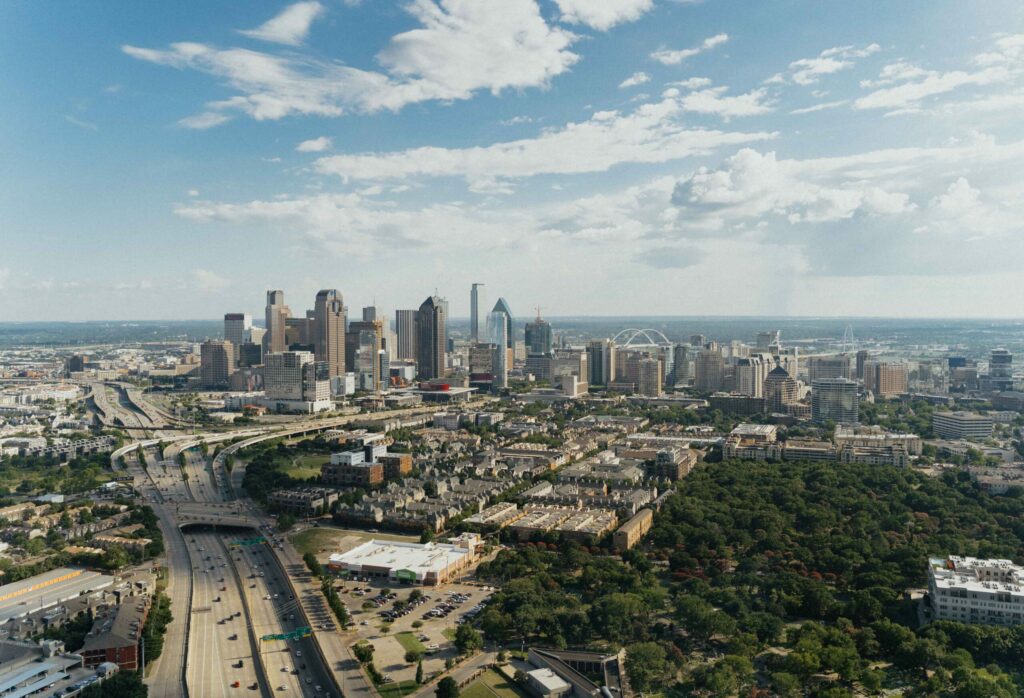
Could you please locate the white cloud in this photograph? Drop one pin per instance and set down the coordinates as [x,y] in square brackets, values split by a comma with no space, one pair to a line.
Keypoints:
[820,107]
[460,47]
[677,56]
[909,94]
[290,26]
[314,145]
[193,192]
[808,71]
[204,120]
[692,83]
[902,87]
[959,198]
[714,101]
[208,281]
[602,15]
[516,120]
[81,123]
[634,80]
[653,132]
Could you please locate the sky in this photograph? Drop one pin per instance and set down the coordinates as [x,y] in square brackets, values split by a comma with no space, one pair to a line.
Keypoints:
[590,157]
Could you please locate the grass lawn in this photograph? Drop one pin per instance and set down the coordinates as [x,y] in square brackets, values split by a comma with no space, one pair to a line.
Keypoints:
[397,689]
[491,684]
[317,540]
[306,466]
[449,633]
[409,643]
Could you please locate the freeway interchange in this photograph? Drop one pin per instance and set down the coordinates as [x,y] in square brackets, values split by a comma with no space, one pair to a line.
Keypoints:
[227,597]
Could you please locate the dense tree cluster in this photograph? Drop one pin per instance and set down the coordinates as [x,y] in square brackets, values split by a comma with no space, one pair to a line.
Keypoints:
[785,578]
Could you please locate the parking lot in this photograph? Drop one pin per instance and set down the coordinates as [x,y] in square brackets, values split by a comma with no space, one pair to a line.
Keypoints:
[422,621]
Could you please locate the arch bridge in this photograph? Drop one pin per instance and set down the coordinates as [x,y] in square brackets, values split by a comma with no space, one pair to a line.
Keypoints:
[634,337]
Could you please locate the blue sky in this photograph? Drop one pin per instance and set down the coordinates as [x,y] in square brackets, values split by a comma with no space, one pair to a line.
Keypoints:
[174,160]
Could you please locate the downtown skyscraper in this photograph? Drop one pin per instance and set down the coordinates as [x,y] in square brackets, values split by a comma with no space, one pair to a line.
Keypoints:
[430,338]
[329,331]
[276,316]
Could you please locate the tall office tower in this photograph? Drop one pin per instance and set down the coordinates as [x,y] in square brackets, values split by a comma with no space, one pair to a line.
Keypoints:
[216,363]
[779,390]
[502,354]
[819,367]
[835,399]
[405,328]
[276,314]
[502,308]
[481,358]
[751,372]
[680,365]
[430,338]
[698,340]
[369,313]
[886,378]
[474,313]
[447,324]
[367,357]
[709,367]
[235,327]
[328,330]
[354,342]
[601,360]
[861,359]
[648,374]
[1000,370]
[538,336]
[768,341]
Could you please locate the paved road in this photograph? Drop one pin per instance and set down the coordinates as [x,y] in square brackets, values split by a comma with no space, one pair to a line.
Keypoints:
[165,678]
[213,655]
[461,673]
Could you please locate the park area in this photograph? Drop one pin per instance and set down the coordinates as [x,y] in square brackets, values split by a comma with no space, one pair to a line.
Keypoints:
[491,684]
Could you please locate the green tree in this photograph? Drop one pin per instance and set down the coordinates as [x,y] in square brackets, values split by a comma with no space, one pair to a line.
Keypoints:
[467,639]
[419,671]
[447,688]
[647,666]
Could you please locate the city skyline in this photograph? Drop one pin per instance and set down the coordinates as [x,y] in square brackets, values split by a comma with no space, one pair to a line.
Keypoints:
[630,157]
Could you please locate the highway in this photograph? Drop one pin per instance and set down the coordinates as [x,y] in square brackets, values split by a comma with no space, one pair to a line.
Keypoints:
[218,637]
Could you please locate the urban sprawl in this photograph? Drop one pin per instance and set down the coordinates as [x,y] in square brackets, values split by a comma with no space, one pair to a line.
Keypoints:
[333,504]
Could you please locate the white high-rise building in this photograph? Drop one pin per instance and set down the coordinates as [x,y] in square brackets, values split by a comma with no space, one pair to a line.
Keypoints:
[475,299]
[972,590]
[294,381]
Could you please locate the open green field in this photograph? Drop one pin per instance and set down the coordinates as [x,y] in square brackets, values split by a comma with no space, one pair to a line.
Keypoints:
[327,539]
[409,643]
[306,466]
[491,684]
[397,689]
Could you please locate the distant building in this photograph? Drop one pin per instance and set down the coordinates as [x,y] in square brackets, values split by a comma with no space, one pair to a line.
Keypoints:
[885,378]
[474,313]
[824,367]
[631,532]
[835,399]
[430,338]
[709,367]
[236,325]
[216,363]
[328,331]
[779,390]
[539,337]
[601,361]
[973,590]
[295,382]
[961,425]
[405,327]
[276,315]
